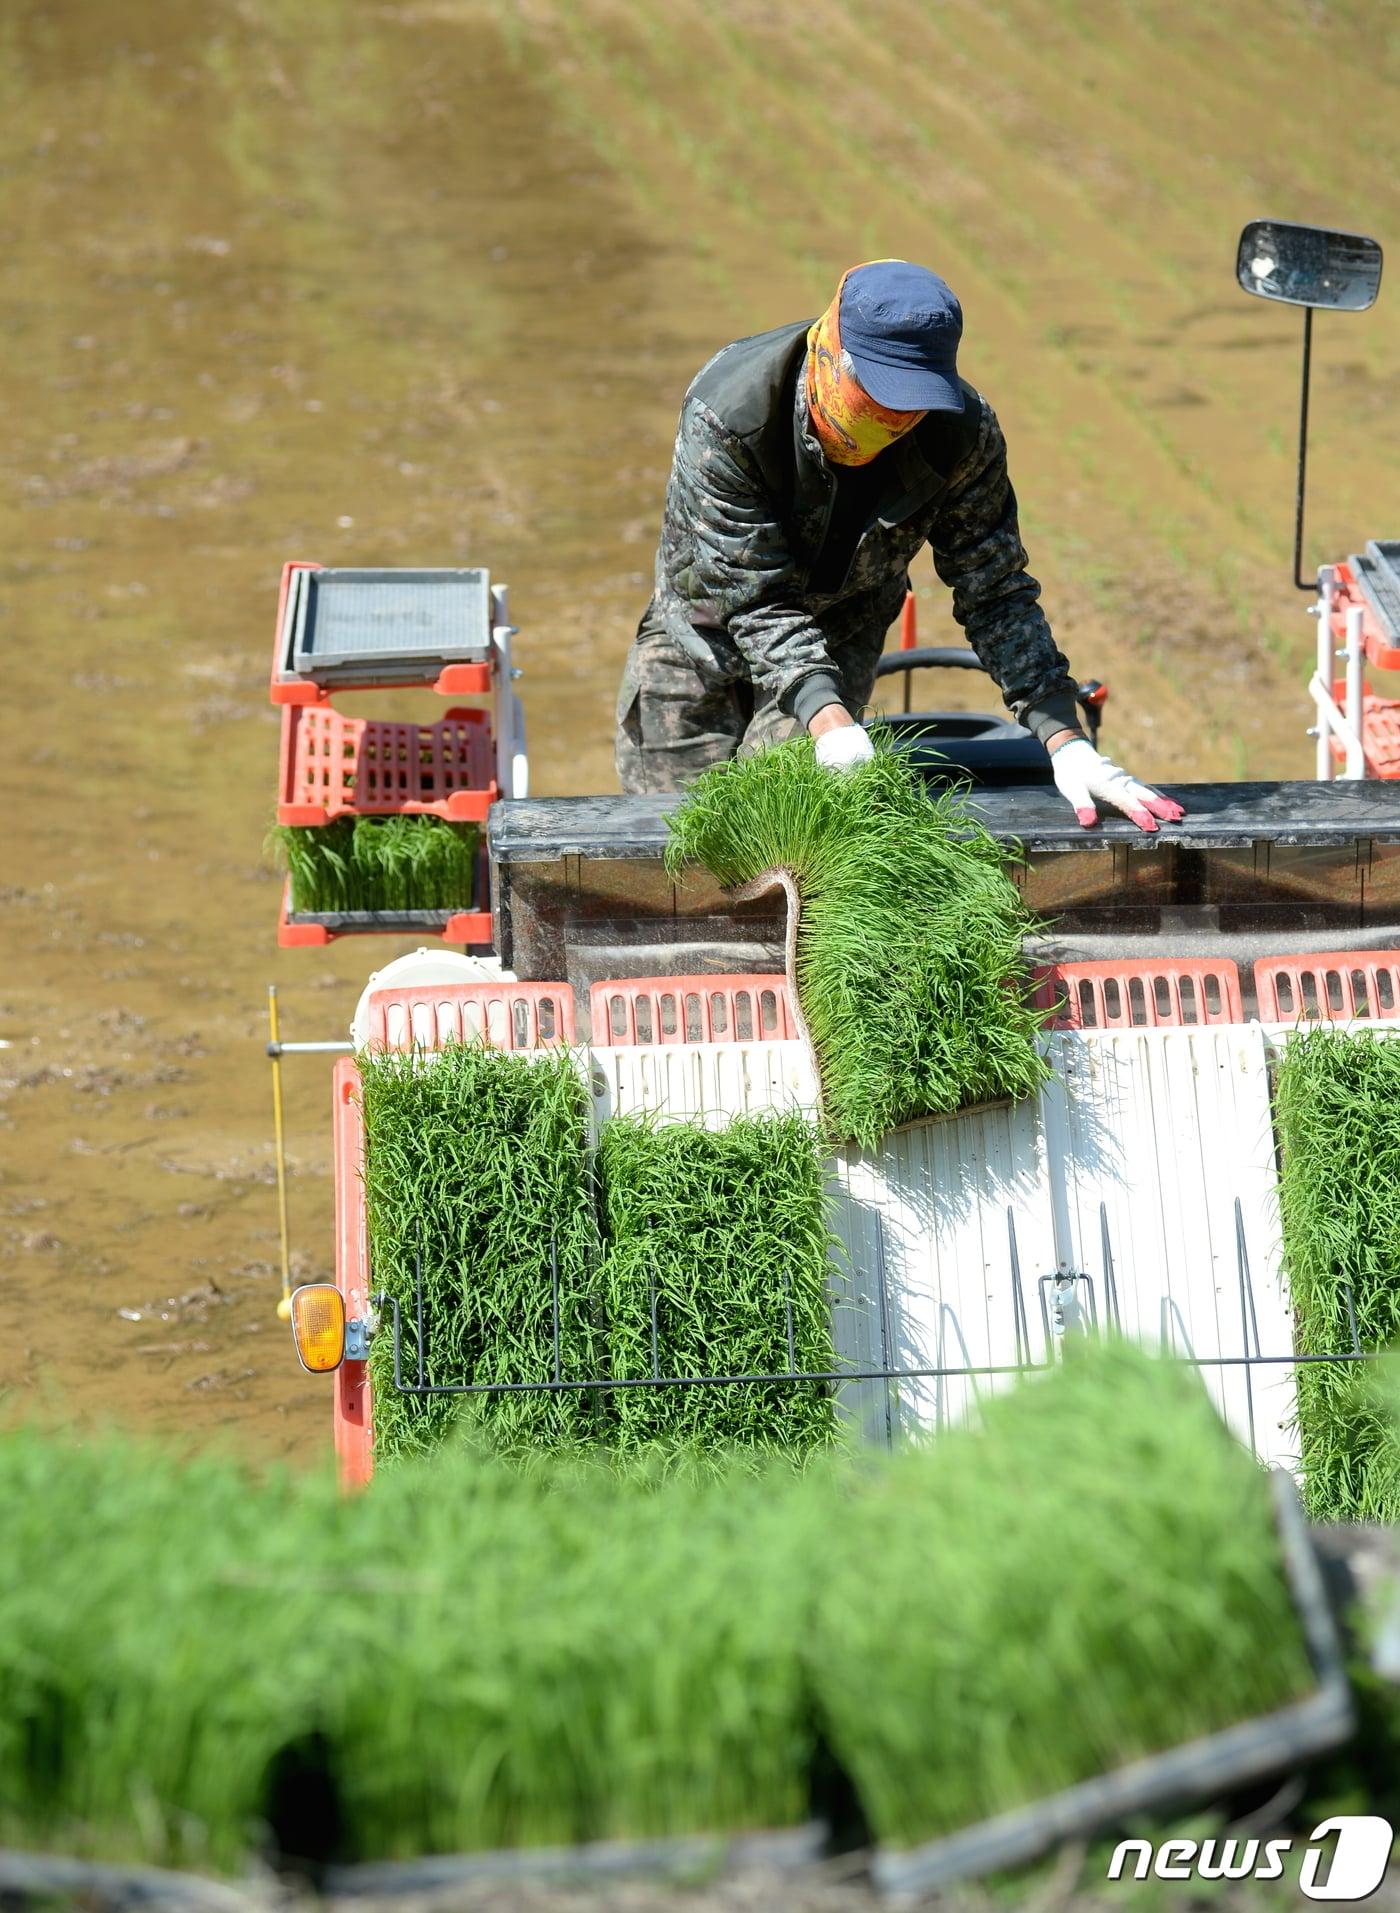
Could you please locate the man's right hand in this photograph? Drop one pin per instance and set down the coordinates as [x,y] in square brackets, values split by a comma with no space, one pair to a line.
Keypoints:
[841,743]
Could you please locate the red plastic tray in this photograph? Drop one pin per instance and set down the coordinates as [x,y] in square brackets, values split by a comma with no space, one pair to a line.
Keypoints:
[471,927]
[691,1009]
[1330,985]
[454,680]
[1148,993]
[511,1016]
[338,766]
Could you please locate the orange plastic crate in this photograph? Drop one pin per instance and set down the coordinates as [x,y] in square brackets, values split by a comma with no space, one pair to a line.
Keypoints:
[1380,732]
[692,1009]
[1141,993]
[338,766]
[1332,986]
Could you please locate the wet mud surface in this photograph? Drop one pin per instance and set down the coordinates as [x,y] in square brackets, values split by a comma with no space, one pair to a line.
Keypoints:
[423,283]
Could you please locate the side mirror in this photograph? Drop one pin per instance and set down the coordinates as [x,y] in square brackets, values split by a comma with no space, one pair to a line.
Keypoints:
[1319,270]
[1309,266]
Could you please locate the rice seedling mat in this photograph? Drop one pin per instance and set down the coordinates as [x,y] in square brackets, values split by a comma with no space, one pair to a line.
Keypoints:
[1193,1771]
[574,1655]
[1337,1109]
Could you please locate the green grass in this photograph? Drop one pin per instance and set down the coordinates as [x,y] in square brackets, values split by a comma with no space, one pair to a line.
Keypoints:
[1092,1577]
[379,863]
[500,1655]
[725,1227]
[1338,1117]
[478,1159]
[908,960]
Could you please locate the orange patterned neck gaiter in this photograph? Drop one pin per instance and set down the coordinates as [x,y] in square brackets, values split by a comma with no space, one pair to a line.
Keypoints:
[850,427]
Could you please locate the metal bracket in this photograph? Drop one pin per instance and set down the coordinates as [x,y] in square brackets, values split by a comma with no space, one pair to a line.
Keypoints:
[357,1334]
[1067,1304]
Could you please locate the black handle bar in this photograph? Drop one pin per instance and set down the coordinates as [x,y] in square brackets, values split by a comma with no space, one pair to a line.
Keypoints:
[927,656]
[956,657]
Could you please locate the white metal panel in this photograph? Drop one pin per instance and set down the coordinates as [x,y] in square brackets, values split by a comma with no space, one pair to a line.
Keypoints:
[1120,1182]
[933,1210]
[1165,1145]
[715,1081]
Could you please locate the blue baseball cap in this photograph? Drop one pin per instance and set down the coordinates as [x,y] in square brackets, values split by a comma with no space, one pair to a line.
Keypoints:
[901,325]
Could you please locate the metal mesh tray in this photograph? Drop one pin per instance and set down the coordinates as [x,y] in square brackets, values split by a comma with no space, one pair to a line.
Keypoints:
[1236,1755]
[1377,571]
[376,919]
[379,626]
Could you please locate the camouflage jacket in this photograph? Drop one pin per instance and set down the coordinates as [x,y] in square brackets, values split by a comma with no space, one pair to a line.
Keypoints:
[769,563]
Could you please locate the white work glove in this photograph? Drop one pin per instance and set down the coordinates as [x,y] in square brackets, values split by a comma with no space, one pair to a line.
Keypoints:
[1083,775]
[844,748]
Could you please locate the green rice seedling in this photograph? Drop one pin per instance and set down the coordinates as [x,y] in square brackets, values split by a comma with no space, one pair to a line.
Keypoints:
[391,864]
[489,1657]
[908,950]
[495,1655]
[1091,1576]
[724,1230]
[476,1161]
[1337,1105]
[627,1658]
[158,1645]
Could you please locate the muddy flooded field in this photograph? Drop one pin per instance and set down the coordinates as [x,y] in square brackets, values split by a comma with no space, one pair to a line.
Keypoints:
[423,283]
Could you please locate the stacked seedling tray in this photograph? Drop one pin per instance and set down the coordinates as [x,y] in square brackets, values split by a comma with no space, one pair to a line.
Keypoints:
[356,795]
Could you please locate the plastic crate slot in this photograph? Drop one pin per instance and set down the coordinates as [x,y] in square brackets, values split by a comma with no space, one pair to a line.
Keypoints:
[508,1016]
[692,1009]
[1147,993]
[1329,986]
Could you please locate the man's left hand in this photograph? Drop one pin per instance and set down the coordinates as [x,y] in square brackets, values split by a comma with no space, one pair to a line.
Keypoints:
[1086,778]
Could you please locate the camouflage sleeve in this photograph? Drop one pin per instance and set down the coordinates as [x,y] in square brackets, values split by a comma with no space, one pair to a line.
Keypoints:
[743,573]
[977,552]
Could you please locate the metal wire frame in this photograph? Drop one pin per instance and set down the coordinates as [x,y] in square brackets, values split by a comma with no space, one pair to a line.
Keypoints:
[1068,1304]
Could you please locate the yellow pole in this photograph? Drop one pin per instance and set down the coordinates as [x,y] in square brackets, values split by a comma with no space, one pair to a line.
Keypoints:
[284,1307]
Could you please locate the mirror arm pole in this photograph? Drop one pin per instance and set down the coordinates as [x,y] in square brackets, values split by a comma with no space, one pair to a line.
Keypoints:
[1303,584]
